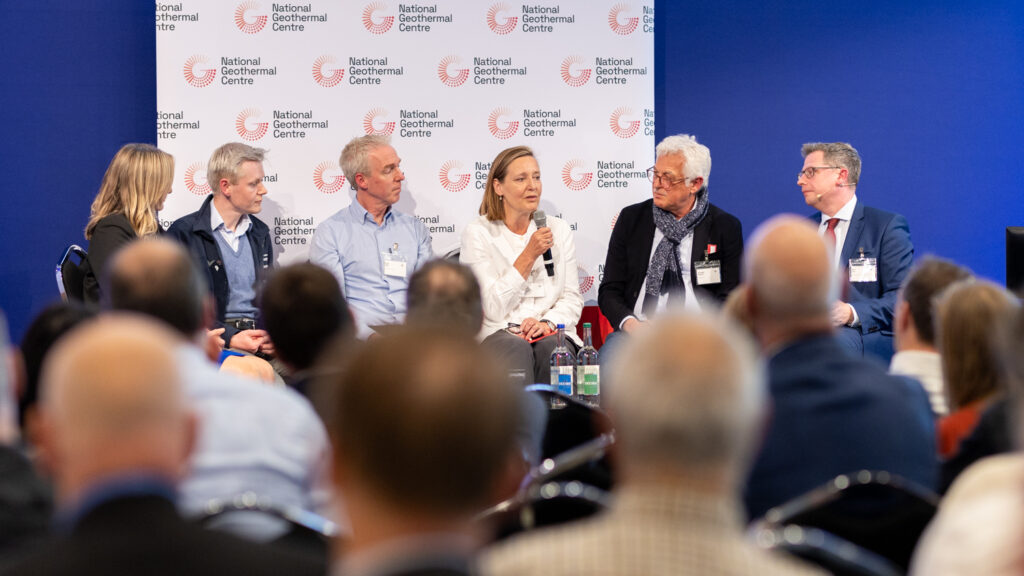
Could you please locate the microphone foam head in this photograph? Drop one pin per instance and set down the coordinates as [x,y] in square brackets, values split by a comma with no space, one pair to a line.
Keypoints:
[540,218]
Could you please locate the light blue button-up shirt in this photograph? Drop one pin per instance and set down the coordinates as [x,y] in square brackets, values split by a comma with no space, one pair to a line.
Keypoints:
[353,247]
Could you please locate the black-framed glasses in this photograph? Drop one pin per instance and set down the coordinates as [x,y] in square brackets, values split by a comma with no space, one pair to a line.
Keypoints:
[810,171]
[655,176]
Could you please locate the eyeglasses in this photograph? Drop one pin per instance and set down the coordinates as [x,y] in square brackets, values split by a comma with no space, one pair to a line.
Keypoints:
[810,171]
[654,176]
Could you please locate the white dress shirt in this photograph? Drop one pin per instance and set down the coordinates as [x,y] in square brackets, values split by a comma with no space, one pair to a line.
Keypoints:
[845,214]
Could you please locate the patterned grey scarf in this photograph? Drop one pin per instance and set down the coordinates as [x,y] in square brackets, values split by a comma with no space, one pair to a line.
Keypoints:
[665,258]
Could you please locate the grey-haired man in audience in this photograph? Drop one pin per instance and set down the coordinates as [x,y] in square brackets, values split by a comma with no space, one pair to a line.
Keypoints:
[689,405]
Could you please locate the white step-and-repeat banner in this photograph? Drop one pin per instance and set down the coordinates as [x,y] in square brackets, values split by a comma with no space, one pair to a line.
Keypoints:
[452,82]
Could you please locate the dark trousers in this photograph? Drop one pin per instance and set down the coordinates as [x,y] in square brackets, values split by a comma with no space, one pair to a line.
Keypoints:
[533,359]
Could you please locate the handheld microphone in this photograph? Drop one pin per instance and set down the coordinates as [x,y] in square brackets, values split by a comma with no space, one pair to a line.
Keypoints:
[541,220]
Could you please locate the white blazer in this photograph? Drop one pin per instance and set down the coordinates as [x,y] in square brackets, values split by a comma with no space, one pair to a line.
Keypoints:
[487,248]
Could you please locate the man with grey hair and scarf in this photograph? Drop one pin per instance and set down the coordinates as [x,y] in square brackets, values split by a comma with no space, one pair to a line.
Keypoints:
[370,248]
[673,250]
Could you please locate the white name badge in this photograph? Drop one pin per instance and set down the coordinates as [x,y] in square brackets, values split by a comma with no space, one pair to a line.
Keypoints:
[394,265]
[863,270]
[708,272]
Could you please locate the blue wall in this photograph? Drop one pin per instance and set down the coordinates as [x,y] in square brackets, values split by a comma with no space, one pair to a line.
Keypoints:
[931,93]
[78,81]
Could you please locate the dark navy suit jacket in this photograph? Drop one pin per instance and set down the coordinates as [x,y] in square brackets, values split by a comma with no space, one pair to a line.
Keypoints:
[193,230]
[833,413]
[884,236]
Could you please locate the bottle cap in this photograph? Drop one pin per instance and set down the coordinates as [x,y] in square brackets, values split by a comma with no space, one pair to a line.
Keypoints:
[561,326]
[586,324]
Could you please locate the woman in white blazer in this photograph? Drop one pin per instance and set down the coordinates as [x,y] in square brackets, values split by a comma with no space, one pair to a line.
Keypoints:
[505,249]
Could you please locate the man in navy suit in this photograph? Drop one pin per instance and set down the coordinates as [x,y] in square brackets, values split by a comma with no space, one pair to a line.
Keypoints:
[673,249]
[832,413]
[873,246]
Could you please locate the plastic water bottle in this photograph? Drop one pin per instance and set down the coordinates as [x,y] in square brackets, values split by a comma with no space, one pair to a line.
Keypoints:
[563,364]
[588,371]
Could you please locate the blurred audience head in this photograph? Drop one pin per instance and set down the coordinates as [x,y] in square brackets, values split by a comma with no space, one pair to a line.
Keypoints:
[1011,355]
[735,308]
[157,278]
[969,316]
[914,324]
[790,278]
[423,426]
[112,406]
[687,396]
[45,330]
[303,310]
[136,184]
[445,295]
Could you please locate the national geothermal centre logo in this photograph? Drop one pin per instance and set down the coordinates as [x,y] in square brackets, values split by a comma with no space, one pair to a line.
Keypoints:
[502,129]
[374,23]
[375,123]
[195,179]
[498,19]
[450,73]
[247,24]
[248,129]
[324,72]
[452,178]
[327,179]
[618,24]
[582,75]
[621,128]
[586,280]
[581,180]
[196,73]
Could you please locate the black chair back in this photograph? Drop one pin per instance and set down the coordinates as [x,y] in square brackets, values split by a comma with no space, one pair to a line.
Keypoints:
[547,504]
[818,547]
[71,274]
[573,426]
[878,511]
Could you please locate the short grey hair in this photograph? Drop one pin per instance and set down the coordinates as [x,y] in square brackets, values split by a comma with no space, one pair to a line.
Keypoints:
[837,154]
[355,156]
[697,155]
[688,393]
[226,160]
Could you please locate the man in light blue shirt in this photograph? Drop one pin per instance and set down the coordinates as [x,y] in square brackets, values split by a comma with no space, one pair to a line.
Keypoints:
[371,249]
[253,438]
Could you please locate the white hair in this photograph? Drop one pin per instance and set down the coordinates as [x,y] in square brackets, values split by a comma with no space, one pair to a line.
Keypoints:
[688,392]
[697,155]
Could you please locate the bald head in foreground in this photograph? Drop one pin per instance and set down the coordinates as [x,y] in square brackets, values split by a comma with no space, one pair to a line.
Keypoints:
[832,413]
[113,405]
[688,403]
[116,433]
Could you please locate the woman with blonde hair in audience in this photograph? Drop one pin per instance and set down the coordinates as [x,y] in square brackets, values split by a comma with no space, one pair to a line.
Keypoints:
[969,313]
[133,190]
[523,299]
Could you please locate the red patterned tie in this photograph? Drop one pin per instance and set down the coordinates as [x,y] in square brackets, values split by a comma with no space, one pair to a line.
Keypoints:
[830,232]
